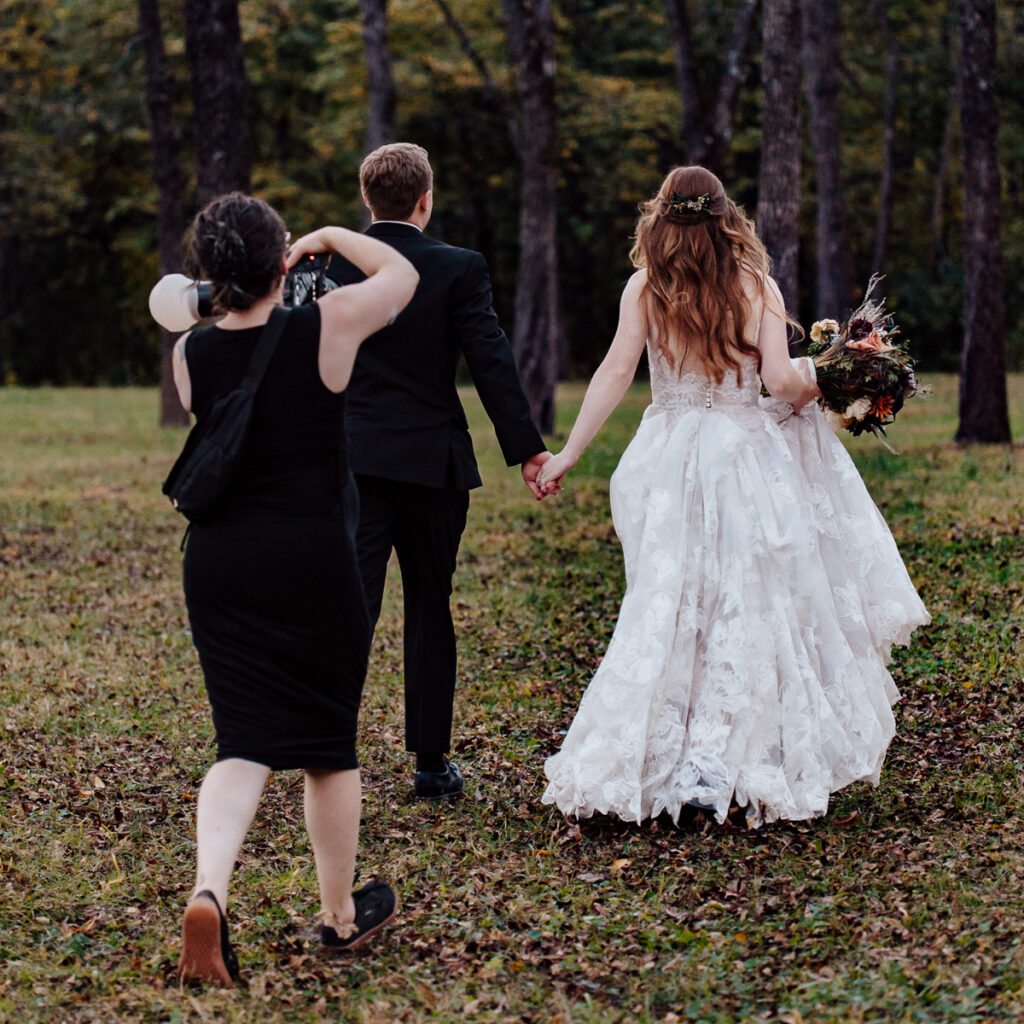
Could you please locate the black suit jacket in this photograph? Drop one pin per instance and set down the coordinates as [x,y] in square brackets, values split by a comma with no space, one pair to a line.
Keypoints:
[403,415]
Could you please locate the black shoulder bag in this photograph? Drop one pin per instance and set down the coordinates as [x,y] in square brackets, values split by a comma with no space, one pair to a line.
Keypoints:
[209,462]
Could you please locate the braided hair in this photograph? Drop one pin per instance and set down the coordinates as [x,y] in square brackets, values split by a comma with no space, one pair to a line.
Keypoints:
[236,243]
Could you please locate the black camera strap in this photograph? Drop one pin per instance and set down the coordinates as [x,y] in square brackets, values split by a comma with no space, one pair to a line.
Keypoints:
[265,349]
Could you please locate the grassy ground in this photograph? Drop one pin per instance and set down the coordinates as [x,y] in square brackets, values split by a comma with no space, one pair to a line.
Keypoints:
[904,903]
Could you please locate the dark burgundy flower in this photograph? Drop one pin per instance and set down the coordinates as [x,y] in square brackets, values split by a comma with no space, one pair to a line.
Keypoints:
[860,329]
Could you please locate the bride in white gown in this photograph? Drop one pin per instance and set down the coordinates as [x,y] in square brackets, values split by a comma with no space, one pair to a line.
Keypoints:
[763,589]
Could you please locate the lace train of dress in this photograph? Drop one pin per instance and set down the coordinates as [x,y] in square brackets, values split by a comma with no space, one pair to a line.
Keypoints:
[764,592]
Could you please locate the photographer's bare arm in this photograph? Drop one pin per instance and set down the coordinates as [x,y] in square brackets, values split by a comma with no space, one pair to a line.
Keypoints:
[181,378]
[351,314]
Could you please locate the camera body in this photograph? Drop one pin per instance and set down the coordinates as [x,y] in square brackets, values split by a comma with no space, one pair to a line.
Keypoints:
[307,281]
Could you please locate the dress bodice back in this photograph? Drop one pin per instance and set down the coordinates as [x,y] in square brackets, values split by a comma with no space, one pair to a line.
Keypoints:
[673,390]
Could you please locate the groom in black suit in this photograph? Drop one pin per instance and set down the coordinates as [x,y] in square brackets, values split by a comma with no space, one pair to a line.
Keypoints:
[409,444]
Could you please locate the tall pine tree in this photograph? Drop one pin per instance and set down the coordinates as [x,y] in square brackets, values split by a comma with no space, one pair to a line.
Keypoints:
[213,41]
[778,204]
[983,405]
[168,180]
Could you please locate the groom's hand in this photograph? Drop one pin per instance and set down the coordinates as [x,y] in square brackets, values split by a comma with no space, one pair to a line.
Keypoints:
[530,468]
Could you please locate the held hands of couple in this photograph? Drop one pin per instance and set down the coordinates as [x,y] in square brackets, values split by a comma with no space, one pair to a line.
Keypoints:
[531,470]
[549,479]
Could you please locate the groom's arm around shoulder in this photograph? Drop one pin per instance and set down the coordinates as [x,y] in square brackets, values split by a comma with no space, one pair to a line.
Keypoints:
[491,363]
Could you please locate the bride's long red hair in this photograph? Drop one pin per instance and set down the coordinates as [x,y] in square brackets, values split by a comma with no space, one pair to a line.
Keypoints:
[695,243]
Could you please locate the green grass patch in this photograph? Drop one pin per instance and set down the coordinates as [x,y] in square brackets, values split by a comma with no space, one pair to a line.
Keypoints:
[903,904]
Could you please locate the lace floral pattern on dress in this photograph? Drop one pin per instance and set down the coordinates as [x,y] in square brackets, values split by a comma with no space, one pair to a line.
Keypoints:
[763,595]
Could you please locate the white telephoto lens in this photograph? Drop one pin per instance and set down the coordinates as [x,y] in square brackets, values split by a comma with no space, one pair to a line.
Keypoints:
[174,303]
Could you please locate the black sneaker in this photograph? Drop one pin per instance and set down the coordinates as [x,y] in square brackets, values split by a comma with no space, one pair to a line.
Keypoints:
[440,785]
[376,906]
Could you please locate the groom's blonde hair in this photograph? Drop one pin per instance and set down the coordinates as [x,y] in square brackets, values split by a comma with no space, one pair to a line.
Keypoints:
[392,179]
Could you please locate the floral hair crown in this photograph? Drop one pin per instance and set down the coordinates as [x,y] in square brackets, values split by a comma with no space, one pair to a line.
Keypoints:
[692,204]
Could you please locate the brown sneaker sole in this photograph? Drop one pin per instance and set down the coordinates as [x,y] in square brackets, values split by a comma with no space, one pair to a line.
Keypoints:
[201,956]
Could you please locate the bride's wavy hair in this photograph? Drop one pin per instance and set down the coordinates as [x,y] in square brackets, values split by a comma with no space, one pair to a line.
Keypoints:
[695,243]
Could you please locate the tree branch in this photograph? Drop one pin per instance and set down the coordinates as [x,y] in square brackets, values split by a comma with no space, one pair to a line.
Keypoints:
[733,73]
[381,84]
[492,88]
[695,131]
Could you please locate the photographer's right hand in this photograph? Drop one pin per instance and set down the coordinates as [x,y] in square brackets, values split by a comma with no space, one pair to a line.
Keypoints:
[313,242]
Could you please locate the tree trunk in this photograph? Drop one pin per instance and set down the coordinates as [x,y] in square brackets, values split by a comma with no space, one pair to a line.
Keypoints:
[706,139]
[537,326]
[885,187]
[7,245]
[983,406]
[167,177]
[5,293]
[537,332]
[735,70]
[695,132]
[213,41]
[380,128]
[778,204]
[821,62]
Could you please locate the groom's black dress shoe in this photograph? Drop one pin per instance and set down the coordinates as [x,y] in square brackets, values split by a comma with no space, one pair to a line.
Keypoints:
[439,785]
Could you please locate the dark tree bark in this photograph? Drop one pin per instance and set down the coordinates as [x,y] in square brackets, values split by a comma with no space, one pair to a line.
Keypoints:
[537,332]
[885,187]
[6,246]
[706,136]
[537,328]
[213,41]
[168,180]
[380,128]
[5,304]
[983,405]
[820,24]
[695,131]
[736,62]
[778,204]
[939,248]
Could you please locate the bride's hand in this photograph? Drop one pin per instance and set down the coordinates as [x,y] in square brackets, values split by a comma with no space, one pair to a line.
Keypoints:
[808,375]
[549,479]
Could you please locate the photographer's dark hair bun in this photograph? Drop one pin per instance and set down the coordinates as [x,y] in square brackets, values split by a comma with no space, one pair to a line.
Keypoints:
[236,243]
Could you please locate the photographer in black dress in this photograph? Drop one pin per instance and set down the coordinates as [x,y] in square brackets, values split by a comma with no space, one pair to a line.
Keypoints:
[272,583]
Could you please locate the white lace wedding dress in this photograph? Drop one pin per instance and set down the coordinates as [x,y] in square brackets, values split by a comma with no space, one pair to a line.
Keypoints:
[764,592]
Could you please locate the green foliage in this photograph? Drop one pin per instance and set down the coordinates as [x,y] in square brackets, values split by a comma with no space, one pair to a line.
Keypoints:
[77,201]
[902,904]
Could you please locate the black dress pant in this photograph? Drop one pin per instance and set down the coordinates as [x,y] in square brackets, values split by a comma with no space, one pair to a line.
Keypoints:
[424,526]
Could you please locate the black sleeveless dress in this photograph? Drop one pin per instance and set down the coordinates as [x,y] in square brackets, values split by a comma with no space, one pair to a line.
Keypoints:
[272,584]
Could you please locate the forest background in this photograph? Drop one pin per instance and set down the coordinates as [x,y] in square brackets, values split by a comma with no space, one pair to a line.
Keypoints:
[78,252]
